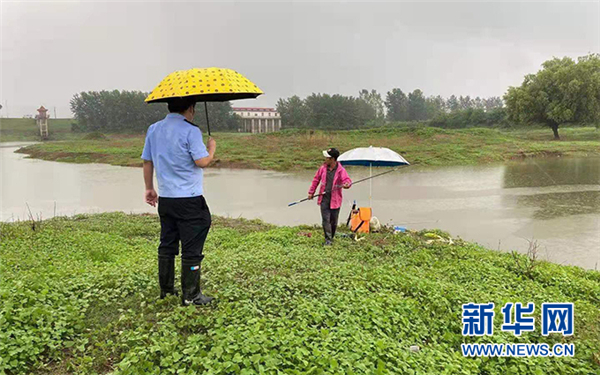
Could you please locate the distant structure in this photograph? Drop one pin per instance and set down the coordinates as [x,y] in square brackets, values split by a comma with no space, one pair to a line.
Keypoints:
[42,121]
[258,120]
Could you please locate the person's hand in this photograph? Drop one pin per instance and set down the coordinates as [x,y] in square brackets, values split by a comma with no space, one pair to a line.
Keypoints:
[211,144]
[311,196]
[346,186]
[151,197]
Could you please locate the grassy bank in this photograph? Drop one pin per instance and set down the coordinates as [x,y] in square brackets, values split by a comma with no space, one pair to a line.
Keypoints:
[79,295]
[291,150]
[26,130]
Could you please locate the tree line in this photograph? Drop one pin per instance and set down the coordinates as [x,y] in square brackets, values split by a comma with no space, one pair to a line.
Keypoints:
[563,91]
[125,111]
[324,111]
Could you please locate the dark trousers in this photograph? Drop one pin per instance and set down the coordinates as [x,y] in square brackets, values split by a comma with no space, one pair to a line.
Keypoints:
[186,220]
[330,220]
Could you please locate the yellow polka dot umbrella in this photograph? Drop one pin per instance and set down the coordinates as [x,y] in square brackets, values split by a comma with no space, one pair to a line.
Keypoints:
[204,85]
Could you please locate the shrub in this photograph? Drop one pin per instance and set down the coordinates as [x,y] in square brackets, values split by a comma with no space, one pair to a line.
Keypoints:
[95,136]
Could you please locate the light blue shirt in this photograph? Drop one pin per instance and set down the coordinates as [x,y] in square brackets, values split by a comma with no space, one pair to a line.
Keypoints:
[172,145]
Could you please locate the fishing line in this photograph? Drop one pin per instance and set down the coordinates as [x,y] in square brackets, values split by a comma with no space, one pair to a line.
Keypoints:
[535,163]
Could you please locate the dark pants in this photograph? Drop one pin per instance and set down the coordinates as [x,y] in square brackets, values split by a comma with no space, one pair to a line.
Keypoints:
[186,220]
[330,220]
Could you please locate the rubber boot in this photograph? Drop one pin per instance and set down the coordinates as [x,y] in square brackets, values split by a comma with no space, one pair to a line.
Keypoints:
[328,235]
[166,275]
[190,284]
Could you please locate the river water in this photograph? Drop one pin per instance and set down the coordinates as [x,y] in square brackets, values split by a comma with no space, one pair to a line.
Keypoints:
[554,201]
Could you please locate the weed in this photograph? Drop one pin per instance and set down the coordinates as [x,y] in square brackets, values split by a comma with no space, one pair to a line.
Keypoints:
[79,295]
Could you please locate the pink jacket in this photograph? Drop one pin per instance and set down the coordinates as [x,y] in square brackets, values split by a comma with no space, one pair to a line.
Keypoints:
[341,177]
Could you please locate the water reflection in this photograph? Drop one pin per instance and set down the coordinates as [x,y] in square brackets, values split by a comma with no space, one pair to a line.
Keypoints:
[564,187]
[553,205]
[552,172]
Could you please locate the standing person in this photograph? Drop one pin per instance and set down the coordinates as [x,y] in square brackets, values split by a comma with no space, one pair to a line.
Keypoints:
[332,176]
[174,147]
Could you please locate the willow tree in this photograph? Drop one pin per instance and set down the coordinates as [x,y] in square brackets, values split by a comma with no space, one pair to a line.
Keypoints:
[564,91]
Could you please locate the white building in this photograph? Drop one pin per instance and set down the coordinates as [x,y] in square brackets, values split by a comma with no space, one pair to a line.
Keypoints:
[258,120]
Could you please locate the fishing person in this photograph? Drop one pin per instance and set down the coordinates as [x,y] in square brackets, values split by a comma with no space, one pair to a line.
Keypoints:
[333,177]
[174,148]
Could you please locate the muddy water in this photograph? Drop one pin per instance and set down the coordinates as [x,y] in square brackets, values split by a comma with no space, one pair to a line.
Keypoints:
[553,201]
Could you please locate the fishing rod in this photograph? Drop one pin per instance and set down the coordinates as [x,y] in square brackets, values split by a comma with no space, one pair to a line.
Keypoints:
[341,186]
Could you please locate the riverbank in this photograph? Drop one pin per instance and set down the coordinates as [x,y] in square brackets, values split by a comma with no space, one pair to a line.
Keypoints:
[297,150]
[79,295]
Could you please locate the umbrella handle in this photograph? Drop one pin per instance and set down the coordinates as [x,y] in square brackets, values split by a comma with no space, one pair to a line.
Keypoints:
[206,112]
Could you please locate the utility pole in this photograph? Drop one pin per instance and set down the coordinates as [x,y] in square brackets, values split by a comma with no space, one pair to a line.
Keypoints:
[55,112]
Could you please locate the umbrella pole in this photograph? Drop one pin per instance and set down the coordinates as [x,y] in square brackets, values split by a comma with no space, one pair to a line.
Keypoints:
[370,183]
[206,112]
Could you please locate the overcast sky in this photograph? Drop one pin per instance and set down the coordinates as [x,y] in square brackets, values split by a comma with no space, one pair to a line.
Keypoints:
[52,50]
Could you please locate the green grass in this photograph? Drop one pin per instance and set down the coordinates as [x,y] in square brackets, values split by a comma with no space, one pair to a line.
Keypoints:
[79,295]
[293,150]
[22,129]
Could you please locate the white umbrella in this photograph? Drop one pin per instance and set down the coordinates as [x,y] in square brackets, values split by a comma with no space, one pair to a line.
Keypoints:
[372,157]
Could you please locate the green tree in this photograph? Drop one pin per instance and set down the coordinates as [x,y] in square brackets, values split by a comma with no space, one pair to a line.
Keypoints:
[126,111]
[115,111]
[492,103]
[465,102]
[293,112]
[220,115]
[452,103]
[436,105]
[562,91]
[373,98]
[396,103]
[417,108]
[337,112]
[365,115]
[469,118]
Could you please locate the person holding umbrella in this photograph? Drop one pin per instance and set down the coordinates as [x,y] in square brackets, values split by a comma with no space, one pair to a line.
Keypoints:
[333,177]
[175,149]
